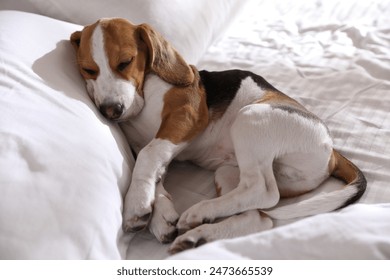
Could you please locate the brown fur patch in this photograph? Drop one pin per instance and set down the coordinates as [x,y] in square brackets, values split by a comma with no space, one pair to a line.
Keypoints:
[348,172]
[274,97]
[185,113]
[218,189]
[288,193]
[278,100]
[81,41]
[124,42]
[164,60]
[332,163]
[344,169]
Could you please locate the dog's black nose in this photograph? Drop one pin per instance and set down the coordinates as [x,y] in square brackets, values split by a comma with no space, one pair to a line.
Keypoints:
[112,111]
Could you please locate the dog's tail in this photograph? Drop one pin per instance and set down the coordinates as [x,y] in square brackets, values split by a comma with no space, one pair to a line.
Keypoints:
[341,168]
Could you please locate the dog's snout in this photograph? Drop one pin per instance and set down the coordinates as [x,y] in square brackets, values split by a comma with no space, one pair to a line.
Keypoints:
[112,111]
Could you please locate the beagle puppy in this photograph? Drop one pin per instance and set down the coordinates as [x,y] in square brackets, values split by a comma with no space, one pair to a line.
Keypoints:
[262,144]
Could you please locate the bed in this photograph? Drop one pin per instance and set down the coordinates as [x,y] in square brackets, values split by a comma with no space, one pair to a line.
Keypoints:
[64,169]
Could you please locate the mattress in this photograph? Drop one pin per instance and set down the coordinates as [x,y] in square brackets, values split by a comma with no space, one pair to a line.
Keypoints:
[64,169]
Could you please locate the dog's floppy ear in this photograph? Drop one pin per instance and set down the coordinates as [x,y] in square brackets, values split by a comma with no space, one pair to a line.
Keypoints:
[164,60]
[75,39]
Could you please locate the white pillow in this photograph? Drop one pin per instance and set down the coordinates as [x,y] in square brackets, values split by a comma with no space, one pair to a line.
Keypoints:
[191,26]
[63,167]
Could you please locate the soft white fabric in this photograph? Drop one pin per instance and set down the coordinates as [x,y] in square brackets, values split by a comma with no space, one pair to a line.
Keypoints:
[358,232]
[63,168]
[191,26]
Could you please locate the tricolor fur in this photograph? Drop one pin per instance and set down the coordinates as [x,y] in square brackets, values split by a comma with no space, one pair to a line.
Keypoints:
[262,144]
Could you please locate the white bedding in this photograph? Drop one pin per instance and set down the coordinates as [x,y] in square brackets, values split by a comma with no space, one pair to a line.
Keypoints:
[357,232]
[64,169]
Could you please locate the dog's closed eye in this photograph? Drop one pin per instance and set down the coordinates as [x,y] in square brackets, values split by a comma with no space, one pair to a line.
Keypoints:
[122,66]
[90,71]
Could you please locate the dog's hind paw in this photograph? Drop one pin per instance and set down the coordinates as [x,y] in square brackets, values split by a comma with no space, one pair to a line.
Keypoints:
[194,216]
[191,239]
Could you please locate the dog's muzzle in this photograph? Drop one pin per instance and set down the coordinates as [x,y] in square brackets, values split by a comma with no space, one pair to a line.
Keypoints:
[112,111]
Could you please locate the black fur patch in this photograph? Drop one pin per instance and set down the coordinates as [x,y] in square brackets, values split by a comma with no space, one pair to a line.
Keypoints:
[222,86]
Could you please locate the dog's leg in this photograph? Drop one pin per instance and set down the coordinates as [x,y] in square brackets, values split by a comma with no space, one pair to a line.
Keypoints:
[226,179]
[257,190]
[251,221]
[184,116]
[149,169]
[165,217]
[255,152]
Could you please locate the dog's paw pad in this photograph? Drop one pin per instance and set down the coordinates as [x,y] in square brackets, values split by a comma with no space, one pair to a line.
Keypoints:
[181,246]
[168,237]
[190,239]
[136,223]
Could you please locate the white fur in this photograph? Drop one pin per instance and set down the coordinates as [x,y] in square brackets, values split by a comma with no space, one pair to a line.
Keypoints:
[214,146]
[149,168]
[270,135]
[141,129]
[164,219]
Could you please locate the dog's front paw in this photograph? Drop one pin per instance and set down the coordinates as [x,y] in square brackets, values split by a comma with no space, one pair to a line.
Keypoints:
[164,219]
[138,207]
[191,239]
[193,217]
[134,223]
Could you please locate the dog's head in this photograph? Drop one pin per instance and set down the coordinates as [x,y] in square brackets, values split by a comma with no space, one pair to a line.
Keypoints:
[114,56]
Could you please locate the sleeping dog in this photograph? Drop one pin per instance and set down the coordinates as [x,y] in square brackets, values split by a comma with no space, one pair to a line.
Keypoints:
[262,144]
